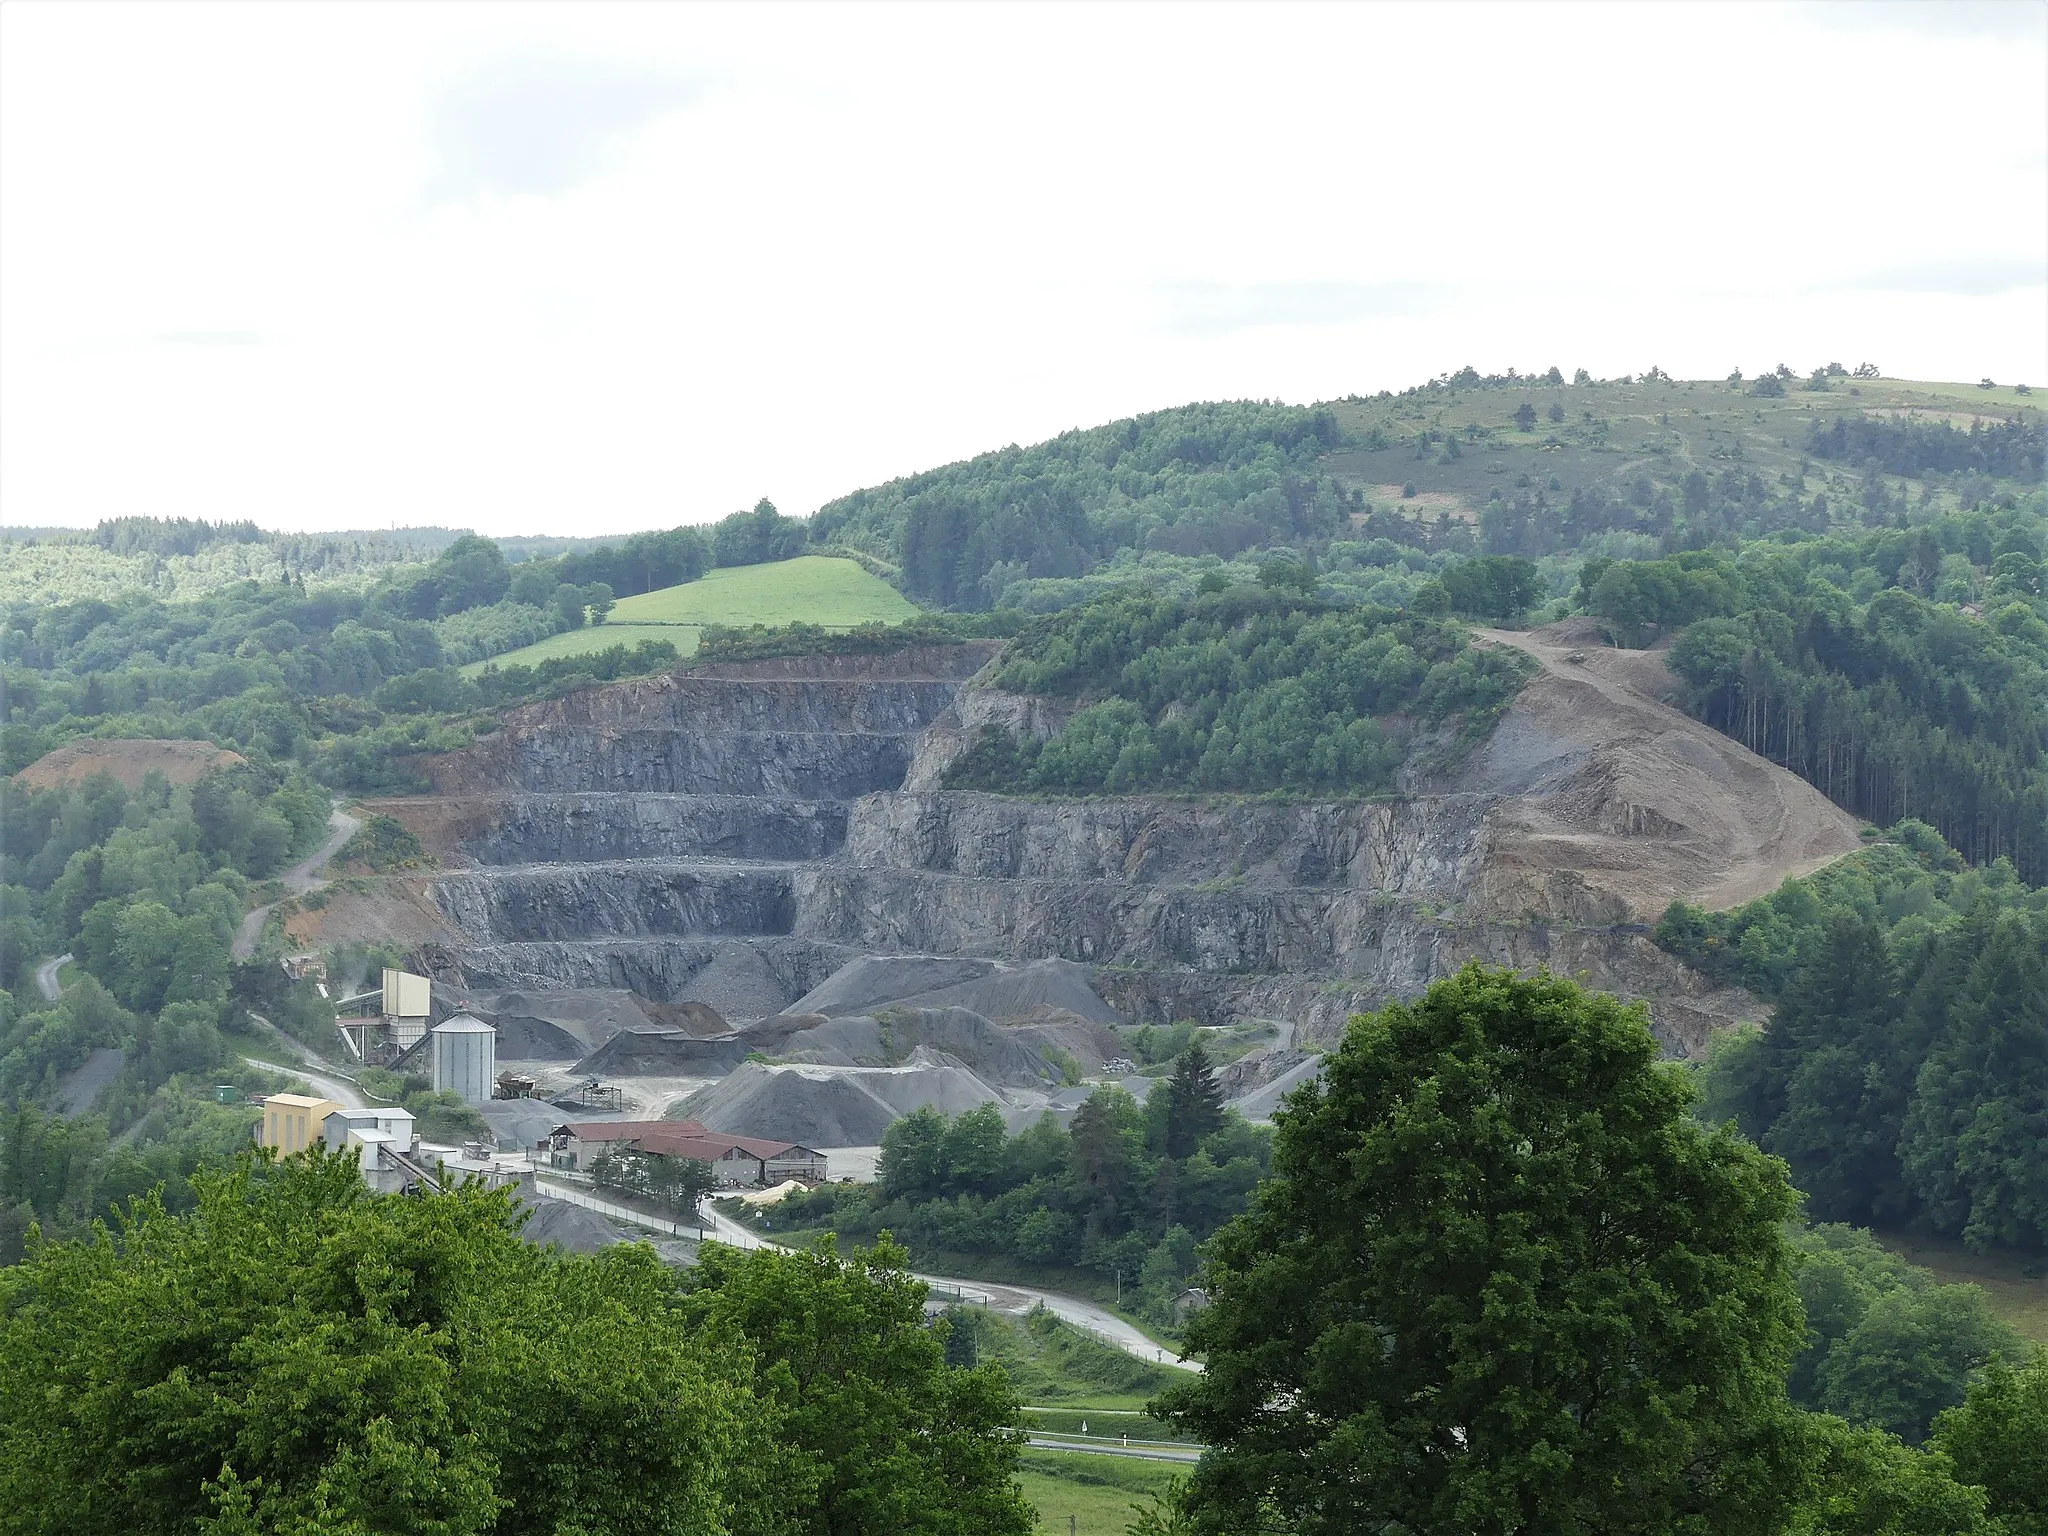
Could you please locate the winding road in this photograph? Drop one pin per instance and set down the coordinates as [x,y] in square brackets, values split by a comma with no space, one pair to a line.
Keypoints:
[1014,1299]
[301,879]
[46,976]
[339,1089]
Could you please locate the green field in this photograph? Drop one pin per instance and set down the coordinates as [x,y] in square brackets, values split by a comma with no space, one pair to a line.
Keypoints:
[814,589]
[577,642]
[2015,1288]
[1095,1493]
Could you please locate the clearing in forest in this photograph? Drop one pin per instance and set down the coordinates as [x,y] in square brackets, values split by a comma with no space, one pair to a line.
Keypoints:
[815,589]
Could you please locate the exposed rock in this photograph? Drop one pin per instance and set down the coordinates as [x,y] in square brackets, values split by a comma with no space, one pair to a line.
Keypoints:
[738,835]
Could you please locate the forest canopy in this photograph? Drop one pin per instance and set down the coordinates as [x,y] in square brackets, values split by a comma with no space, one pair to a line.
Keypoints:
[1236,690]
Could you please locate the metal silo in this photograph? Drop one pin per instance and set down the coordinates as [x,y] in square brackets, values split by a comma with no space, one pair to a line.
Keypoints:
[465,1058]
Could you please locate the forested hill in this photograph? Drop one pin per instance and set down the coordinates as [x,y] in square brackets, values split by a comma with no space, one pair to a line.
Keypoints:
[1215,479]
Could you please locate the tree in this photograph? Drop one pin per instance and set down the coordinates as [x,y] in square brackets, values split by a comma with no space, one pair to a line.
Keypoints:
[913,1160]
[1998,1439]
[342,1361]
[896,1442]
[1501,1281]
[1103,1133]
[1911,1355]
[1194,1103]
[1492,586]
[1525,416]
[1865,1483]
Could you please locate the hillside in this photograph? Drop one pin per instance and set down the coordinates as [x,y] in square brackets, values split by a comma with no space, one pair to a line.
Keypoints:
[828,591]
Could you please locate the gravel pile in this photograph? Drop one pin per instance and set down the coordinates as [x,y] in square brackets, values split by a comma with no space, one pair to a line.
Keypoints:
[574,1228]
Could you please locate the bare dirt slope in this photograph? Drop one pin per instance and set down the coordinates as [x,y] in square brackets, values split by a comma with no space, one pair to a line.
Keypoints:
[127,760]
[1618,803]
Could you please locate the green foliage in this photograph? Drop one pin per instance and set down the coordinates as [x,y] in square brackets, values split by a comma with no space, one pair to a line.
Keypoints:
[677,1184]
[384,844]
[1886,1348]
[1500,1281]
[349,1362]
[1887,696]
[1862,1482]
[891,1439]
[2012,448]
[1909,1047]
[343,1361]
[1105,1196]
[1212,478]
[1497,587]
[1241,690]
[721,643]
[1998,1439]
[1194,1105]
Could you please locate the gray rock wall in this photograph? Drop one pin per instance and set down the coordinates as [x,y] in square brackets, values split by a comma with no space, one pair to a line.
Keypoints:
[736,838]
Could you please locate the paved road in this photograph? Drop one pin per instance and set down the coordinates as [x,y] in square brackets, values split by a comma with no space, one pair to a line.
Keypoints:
[302,878]
[1016,1299]
[576,1194]
[46,976]
[339,1089]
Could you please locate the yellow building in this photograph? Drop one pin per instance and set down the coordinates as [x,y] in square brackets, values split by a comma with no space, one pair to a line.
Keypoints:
[292,1122]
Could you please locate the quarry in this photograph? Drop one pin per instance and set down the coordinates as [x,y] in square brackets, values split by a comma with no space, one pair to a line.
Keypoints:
[741,895]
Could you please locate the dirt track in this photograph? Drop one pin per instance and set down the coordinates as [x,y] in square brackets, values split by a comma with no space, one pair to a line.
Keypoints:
[1621,800]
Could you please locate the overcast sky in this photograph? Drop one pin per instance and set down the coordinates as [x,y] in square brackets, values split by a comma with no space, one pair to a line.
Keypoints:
[578,269]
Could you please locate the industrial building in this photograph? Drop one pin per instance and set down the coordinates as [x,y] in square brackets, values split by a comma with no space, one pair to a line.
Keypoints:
[736,1162]
[292,1122]
[383,1143]
[465,1058]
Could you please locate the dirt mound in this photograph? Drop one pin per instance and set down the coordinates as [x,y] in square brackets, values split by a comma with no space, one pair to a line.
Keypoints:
[990,988]
[1032,1053]
[520,1122]
[573,1228]
[739,984]
[128,760]
[930,1080]
[815,1106]
[521,1037]
[864,984]
[833,1106]
[1015,991]
[568,1024]
[80,1090]
[663,1053]
[1618,803]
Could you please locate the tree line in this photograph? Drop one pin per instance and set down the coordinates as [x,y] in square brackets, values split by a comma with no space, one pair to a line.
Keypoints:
[1213,478]
[1909,1050]
[1126,1193]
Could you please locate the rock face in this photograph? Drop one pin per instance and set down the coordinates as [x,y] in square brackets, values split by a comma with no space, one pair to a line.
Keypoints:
[735,836]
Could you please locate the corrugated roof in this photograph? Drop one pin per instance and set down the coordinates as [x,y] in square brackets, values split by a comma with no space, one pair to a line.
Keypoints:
[464,1024]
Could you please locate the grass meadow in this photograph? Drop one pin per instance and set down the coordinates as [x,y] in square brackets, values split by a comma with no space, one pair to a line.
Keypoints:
[816,589]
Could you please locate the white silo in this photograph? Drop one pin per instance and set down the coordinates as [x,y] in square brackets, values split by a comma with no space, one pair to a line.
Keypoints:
[465,1058]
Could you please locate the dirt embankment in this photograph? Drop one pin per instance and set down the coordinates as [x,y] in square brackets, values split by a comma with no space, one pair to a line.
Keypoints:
[128,760]
[1619,803]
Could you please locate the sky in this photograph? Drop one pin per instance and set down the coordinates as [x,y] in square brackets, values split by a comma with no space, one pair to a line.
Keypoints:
[587,269]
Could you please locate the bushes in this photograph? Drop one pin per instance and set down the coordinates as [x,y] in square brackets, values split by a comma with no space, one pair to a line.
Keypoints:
[384,844]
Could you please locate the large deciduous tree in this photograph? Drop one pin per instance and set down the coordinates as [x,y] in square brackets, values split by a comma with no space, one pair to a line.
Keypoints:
[895,1442]
[1502,1281]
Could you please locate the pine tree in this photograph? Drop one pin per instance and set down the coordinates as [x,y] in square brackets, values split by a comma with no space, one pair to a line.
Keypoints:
[1194,1104]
